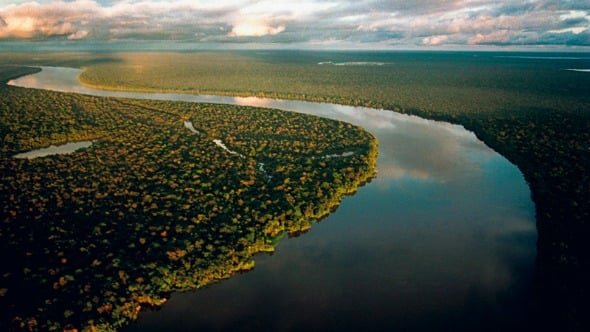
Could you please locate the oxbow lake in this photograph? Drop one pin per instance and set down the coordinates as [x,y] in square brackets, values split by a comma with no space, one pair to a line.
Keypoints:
[66,148]
[442,239]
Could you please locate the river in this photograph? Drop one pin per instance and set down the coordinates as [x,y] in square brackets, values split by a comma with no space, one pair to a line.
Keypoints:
[442,239]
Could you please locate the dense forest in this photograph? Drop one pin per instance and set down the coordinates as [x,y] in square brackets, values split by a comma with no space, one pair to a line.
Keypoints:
[528,107]
[534,112]
[170,196]
[452,83]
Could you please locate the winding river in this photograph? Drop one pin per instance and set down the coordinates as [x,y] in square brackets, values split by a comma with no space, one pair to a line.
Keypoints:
[443,238]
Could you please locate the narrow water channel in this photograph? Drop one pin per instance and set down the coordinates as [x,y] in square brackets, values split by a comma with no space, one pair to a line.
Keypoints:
[443,239]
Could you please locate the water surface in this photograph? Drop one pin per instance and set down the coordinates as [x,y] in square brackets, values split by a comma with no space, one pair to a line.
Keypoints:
[442,239]
[67,148]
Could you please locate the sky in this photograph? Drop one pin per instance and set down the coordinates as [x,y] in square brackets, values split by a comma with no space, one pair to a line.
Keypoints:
[316,24]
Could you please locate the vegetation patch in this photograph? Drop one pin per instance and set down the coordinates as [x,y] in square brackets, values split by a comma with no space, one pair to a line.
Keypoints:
[535,112]
[88,239]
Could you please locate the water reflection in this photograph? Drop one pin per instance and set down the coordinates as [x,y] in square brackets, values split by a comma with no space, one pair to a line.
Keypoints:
[410,146]
[53,150]
[443,238]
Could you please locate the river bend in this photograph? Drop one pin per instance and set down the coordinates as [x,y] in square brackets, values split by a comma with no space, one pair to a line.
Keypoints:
[443,238]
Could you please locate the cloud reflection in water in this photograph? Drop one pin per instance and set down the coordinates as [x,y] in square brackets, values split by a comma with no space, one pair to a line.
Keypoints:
[443,237]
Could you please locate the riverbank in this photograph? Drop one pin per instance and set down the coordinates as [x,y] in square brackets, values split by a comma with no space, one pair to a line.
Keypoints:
[530,110]
[416,154]
[149,210]
[533,112]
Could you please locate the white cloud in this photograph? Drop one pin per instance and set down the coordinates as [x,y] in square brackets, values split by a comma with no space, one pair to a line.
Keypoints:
[435,40]
[574,30]
[376,23]
[80,34]
[496,37]
[255,29]
[573,14]
[32,19]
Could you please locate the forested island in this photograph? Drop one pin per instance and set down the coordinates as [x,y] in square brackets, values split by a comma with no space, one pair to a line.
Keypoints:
[527,106]
[538,119]
[170,196]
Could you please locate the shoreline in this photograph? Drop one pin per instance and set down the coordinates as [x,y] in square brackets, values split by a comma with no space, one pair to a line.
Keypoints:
[561,203]
[215,272]
[560,262]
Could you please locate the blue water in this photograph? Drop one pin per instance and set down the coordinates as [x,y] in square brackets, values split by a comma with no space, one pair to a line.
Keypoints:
[443,238]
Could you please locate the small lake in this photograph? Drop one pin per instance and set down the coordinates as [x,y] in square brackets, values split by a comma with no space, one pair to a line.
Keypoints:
[67,148]
[443,239]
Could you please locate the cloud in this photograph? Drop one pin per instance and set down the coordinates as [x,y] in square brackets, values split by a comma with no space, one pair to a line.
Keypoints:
[496,37]
[434,40]
[31,19]
[360,23]
[80,34]
[575,30]
[255,29]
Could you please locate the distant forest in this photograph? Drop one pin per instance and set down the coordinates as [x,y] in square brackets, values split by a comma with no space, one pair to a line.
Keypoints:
[530,109]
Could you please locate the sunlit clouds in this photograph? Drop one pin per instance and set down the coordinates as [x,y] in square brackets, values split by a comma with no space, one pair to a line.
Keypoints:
[319,23]
[435,40]
[255,29]
[31,19]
